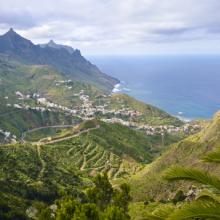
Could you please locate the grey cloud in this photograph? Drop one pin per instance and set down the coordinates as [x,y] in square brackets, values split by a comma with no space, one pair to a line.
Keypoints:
[112,25]
[172,31]
[17,19]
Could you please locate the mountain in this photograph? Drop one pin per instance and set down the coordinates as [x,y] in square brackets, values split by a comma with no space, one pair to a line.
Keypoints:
[149,183]
[21,83]
[42,79]
[52,44]
[73,65]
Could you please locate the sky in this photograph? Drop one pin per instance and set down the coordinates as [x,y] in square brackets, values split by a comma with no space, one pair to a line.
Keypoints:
[118,27]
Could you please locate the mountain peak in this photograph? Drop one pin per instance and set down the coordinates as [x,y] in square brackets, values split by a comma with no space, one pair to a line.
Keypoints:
[12,41]
[11,32]
[51,42]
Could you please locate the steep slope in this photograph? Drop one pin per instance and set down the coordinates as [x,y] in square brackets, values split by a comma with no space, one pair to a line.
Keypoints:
[149,183]
[25,180]
[31,174]
[73,65]
[41,79]
[113,148]
[22,85]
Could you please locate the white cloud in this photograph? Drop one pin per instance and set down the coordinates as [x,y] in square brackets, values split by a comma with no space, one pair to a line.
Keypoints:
[118,26]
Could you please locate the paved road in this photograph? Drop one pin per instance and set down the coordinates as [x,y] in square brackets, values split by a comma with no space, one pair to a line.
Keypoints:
[69,137]
[39,128]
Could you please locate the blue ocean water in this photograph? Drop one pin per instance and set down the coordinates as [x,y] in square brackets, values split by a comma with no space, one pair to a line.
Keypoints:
[183,85]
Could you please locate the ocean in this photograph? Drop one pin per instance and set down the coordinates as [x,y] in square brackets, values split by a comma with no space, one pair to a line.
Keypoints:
[187,86]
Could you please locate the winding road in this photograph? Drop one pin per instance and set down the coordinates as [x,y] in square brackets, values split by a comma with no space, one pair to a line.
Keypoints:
[69,137]
[43,163]
[39,128]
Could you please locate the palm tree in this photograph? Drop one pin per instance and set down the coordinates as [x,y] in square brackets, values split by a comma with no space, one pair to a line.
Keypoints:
[207,202]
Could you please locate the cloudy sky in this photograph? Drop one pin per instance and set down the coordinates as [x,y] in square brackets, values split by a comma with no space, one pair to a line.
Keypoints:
[118,26]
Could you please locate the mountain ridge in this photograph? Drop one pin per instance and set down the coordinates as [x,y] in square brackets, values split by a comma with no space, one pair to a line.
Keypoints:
[52,44]
[73,65]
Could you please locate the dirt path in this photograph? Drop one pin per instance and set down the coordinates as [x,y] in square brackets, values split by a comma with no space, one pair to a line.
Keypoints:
[84,163]
[43,163]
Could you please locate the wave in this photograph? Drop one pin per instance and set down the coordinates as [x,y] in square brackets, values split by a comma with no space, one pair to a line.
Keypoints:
[184,119]
[120,87]
[116,88]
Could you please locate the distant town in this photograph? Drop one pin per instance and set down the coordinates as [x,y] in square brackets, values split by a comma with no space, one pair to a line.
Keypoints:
[88,110]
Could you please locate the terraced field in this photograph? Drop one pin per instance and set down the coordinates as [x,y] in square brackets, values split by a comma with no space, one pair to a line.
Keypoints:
[43,172]
[89,157]
[90,152]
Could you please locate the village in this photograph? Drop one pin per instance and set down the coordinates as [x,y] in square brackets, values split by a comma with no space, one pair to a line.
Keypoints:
[87,110]
[8,136]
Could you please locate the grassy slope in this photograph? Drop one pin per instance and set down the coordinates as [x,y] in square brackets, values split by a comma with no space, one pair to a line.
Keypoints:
[149,183]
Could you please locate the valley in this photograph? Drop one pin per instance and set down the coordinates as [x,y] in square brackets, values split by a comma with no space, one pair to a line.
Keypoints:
[61,127]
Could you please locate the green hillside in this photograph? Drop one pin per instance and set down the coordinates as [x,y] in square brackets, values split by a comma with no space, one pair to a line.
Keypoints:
[73,65]
[22,85]
[31,175]
[149,184]
[41,79]
[113,148]
[18,121]
[25,179]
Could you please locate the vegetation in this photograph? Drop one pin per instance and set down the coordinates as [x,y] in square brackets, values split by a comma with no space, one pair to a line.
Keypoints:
[44,173]
[72,65]
[40,79]
[18,121]
[204,201]
[112,148]
[101,201]
[25,179]
[150,114]
[82,172]
[149,183]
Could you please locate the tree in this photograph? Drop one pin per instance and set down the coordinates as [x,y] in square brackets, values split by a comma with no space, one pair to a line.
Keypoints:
[45,214]
[101,194]
[103,203]
[122,197]
[67,209]
[114,213]
[71,209]
[91,211]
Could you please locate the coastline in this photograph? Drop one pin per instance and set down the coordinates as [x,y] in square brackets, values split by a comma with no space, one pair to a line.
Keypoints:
[121,88]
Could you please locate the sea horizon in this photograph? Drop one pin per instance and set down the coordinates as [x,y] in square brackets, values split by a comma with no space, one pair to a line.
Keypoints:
[185,86]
